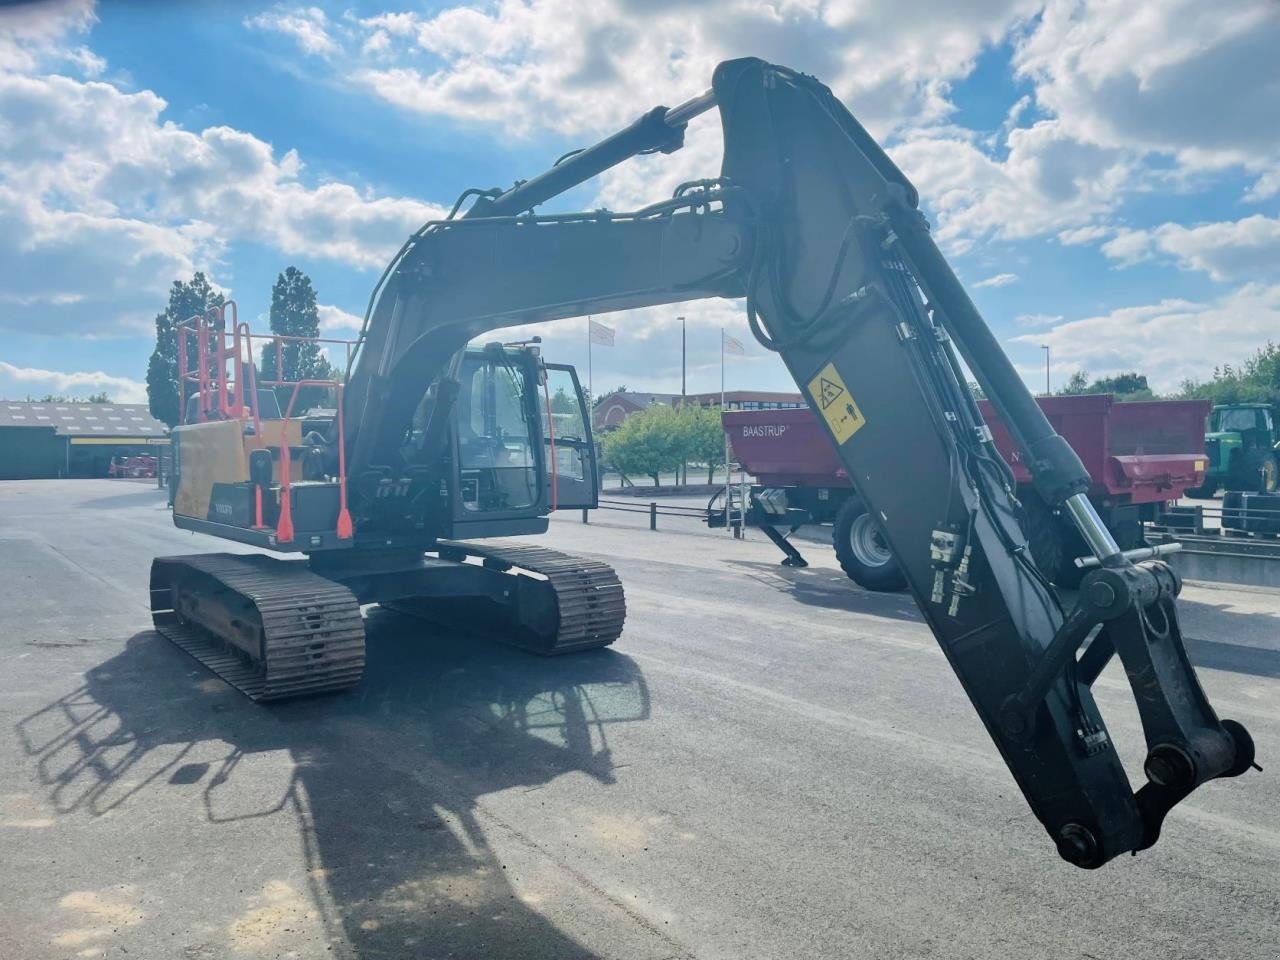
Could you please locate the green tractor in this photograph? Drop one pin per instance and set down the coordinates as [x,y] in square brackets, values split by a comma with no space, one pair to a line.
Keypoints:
[1241,445]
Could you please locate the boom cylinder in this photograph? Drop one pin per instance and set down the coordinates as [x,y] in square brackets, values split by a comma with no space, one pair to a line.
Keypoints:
[661,130]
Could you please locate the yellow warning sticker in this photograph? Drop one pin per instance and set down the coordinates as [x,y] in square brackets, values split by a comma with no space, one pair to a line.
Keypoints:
[836,403]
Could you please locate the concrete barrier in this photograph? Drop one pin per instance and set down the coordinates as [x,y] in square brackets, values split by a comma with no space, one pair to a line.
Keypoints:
[1248,561]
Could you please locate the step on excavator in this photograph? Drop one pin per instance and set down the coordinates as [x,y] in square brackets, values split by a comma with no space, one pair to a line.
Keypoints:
[813,227]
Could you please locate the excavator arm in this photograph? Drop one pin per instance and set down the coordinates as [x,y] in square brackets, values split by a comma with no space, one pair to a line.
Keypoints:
[814,226]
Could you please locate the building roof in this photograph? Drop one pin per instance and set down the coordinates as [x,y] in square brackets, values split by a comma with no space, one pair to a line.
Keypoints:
[739,396]
[731,396]
[83,419]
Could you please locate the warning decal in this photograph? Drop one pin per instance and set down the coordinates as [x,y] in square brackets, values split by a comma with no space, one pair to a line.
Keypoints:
[828,392]
[836,404]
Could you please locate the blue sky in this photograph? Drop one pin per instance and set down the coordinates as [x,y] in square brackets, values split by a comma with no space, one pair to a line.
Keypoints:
[1105,177]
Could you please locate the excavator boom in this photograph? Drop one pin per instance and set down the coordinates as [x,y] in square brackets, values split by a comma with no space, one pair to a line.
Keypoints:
[812,224]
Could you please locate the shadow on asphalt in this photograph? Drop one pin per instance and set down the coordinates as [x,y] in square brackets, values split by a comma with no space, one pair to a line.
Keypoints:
[1215,654]
[823,587]
[385,777]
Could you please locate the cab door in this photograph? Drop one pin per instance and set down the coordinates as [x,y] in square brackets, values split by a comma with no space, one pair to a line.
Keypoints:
[572,478]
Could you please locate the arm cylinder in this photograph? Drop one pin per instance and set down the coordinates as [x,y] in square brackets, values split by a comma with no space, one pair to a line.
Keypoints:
[1055,468]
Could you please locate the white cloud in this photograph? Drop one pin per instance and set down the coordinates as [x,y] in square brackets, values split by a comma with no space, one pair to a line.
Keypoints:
[1046,182]
[334,321]
[1169,341]
[575,68]
[1247,247]
[103,198]
[64,271]
[1192,79]
[1100,71]
[32,34]
[1082,235]
[17,382]
[307,26]
[999,280]
[1037,319]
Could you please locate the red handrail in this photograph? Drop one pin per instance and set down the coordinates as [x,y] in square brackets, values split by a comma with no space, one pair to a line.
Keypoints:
[232,346]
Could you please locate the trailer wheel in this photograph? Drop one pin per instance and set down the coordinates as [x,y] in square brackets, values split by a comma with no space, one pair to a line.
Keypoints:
[1054,546]
[862,551]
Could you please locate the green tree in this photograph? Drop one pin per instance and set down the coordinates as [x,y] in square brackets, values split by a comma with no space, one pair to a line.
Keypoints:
[1076,384]
[100,397]
[647,443]
[186,300]
[561,402]
[702,438]
[294,314]
[1257,380]
[1123,386]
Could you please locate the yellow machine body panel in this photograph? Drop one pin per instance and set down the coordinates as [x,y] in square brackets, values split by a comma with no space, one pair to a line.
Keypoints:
[209,453]
[274,435]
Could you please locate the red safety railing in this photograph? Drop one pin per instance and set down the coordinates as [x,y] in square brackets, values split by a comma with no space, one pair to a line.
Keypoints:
[222,396]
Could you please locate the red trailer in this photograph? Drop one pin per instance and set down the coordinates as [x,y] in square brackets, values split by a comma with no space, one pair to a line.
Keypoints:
[1141,455]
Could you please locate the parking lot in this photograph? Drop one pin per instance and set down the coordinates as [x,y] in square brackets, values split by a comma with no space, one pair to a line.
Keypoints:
[770,763]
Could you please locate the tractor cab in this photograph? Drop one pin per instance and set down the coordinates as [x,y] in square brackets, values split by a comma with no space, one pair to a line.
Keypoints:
[1240,444]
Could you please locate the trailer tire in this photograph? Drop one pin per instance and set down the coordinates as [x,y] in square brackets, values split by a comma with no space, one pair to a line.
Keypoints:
[860,548]
[1053,545]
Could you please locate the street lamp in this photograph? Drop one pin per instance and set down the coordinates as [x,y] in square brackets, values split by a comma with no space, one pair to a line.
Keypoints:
[1045,348]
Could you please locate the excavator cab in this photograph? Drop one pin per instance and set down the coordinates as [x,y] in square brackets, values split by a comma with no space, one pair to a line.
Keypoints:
[521,445]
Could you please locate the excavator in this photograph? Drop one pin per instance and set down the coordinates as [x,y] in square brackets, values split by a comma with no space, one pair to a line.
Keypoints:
[812,225]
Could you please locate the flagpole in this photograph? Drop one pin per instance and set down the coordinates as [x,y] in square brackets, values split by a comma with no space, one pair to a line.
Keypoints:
[727,525]
[591,385]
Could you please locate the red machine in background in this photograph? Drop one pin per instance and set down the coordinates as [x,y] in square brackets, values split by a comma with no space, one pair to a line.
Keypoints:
[1141,455]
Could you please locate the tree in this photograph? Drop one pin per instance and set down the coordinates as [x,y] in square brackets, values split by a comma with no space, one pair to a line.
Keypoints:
[646,443]
[100,397]
[294,314]
[561,402]
[1076,384]
[661,438]
[1123,386]
[702,438]
[186,300]
[1257,380]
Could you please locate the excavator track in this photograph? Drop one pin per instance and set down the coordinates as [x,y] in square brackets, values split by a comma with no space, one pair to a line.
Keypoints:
[589,600]
[270,628]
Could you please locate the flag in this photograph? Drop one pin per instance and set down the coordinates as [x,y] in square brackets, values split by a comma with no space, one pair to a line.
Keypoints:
[599,333]
[733,346]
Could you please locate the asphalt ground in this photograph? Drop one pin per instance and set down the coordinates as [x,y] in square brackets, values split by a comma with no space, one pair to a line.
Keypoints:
[770,763]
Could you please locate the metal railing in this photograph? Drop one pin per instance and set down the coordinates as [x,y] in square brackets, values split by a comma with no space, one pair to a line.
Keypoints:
[233,395]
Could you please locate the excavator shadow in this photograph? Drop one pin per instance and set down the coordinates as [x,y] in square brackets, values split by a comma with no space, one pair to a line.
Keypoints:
[384,779]
[828,588]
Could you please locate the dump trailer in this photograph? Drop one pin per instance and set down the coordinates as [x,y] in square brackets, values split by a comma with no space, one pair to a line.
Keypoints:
[809,224]
[1140,456]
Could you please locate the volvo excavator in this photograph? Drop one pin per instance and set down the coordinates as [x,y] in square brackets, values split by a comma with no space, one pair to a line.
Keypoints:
[813,227]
